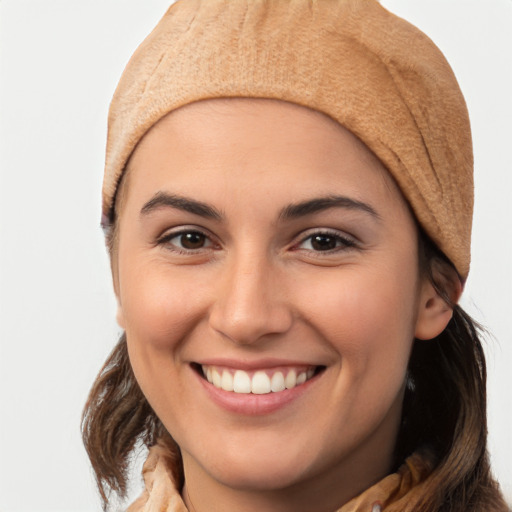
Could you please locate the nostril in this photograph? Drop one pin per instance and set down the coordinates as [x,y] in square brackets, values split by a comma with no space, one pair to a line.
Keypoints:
[250,308]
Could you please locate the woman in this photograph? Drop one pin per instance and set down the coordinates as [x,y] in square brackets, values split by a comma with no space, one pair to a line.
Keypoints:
[287,203]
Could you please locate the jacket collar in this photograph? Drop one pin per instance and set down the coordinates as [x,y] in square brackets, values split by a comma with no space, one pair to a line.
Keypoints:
[161,495]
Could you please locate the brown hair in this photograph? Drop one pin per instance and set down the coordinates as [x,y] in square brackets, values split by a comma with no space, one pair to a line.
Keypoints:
[444,412]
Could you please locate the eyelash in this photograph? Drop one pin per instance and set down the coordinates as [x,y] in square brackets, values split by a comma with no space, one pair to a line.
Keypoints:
[166,240]
[342,242]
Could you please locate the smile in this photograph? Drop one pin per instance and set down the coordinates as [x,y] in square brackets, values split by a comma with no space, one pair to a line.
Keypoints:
[259,382]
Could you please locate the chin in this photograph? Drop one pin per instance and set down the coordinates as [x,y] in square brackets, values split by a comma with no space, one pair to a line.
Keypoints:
[259,469]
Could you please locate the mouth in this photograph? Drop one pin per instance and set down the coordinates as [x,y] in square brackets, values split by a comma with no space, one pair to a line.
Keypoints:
[257,382]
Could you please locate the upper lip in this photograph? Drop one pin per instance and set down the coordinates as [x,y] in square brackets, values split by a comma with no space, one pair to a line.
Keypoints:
[257,364]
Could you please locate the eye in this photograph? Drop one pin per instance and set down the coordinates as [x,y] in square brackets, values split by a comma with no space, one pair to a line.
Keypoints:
[325,241]
[186,240]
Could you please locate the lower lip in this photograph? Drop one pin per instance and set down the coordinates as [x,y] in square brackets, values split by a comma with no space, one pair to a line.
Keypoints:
[250,404]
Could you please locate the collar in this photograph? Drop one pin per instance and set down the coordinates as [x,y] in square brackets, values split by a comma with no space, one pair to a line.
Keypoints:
[161,495]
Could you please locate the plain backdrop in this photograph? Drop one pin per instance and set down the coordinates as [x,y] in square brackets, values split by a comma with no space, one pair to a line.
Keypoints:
[59,64]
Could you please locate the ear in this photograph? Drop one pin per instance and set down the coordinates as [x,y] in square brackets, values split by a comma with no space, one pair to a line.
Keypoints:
[115,281]
[119,312]
[120,315]
[434,311]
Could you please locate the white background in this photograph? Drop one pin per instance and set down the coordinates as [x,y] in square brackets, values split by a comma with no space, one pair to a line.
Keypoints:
[59,64]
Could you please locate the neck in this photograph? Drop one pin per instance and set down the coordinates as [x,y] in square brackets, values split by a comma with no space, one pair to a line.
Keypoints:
[321,492]
[330,480]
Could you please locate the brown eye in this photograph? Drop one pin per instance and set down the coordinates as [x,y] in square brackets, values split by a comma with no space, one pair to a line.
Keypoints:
[186,241]
[326,241]
[192,240]
[323,242]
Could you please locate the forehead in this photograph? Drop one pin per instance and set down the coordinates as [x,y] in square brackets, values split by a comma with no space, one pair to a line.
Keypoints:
[256,121]
[210,144]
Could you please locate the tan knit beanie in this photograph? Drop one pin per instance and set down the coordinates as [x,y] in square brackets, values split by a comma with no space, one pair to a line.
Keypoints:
[371,71]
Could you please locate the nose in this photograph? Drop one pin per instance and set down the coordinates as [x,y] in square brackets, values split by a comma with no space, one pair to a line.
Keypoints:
[250,302]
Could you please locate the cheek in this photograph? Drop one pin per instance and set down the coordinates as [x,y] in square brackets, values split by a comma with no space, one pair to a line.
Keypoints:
[161,309]
[160,306]
[369,319]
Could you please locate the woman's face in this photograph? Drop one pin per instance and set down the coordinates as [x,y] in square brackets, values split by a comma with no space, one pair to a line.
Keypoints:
[263,247]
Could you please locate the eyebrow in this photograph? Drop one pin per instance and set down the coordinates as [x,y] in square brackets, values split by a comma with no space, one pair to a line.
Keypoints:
[292,211]
[316,205]
[162,199]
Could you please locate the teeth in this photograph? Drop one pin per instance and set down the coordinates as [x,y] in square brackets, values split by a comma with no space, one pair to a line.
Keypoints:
[277,383]
[241,382]
[216,378]
[227,381]
[260,383]
[291,379]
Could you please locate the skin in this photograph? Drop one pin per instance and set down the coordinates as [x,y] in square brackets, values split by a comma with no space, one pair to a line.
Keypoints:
[259,287]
